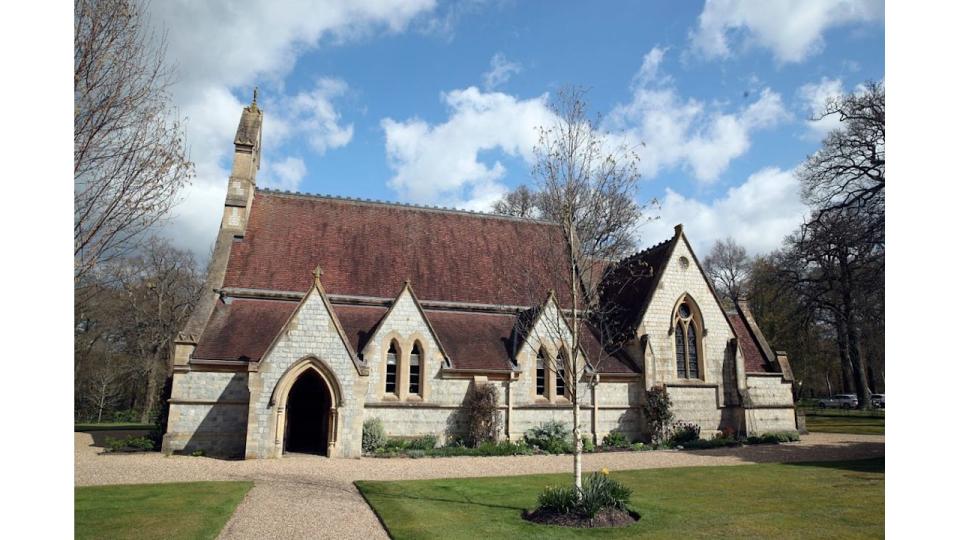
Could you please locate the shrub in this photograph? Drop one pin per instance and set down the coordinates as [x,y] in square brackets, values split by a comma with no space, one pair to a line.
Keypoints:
[130,443]
[600,491]
[588,446]
[684,432]
[658,413]
[128,416]
[482,415]
[640,447]
[416,453]
[616,439]
[558,499]
[777,437]
[427,442]
[198,453]
[552,437]
[374,437]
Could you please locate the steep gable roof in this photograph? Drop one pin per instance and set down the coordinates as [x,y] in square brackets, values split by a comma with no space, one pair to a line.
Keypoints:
[242,329]
[367,248]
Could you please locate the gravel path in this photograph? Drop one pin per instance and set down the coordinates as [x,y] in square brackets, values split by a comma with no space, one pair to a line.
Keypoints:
[314,497]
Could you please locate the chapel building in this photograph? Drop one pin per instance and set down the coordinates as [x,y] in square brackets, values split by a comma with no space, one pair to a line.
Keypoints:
[320,312]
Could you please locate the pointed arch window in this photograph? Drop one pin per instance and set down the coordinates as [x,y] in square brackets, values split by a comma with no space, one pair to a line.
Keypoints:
[541,374]
[415,359]
[688,331]
[561,381]
[391,375]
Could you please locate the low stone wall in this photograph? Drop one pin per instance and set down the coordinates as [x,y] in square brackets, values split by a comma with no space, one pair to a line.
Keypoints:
[208,412]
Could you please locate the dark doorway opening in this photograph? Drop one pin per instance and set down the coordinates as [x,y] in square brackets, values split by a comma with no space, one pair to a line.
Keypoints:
[308,415]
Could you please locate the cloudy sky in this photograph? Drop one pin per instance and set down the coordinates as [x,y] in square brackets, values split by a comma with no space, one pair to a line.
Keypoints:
[437,102]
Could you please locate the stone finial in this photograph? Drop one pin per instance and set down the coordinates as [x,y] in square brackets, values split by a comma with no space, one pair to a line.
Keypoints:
[317,272]
[256,90]
[678,229]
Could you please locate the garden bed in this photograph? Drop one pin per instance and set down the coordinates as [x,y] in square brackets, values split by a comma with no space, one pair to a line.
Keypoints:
[608,517]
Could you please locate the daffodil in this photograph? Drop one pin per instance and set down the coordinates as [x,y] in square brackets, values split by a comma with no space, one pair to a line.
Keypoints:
[604,471]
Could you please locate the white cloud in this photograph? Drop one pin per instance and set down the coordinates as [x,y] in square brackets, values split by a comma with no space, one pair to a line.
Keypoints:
[310,114]
[792,29]
[441,163]
[670,131]
[500,72]
[285,174]
[815,96]
[759,213]
[221,46]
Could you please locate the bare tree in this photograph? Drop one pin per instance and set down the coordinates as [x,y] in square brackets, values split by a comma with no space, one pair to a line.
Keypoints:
[729,268]
[129,153]
[848,173]
[158,289]
[588,187]
[103,384]
[521,202]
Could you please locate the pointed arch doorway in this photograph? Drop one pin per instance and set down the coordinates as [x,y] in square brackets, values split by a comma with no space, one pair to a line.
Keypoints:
[307,429]
[307,400]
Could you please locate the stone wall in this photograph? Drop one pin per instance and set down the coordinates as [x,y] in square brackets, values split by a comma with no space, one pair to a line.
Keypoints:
[208,412]
[311,333]
[769,404]
[405,325]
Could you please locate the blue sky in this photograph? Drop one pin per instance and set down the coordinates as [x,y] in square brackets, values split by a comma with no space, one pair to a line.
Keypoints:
[437,103]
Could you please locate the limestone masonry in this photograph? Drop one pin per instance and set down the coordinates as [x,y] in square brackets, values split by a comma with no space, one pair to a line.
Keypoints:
[322,312]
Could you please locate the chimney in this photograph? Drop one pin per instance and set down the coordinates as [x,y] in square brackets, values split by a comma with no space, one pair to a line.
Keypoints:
[678,229]
[246,162]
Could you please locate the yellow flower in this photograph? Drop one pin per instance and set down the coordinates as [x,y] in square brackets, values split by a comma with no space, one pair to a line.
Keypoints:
[605,472]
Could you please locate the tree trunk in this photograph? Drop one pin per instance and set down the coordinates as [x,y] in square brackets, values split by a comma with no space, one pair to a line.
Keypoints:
[150,400]
[577,446]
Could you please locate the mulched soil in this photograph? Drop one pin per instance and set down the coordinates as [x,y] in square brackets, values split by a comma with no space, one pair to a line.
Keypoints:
[609,517]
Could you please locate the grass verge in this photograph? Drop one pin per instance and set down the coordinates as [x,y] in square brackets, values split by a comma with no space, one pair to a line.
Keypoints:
[114,426]
[845,424]
[163,511]
[808,500]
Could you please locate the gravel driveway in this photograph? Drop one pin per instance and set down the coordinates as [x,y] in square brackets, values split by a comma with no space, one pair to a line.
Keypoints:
[314,497]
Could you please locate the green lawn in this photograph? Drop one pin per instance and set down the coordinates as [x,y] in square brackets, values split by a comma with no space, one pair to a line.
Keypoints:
[114,426]
[845,424]
[162,511]
[811,500]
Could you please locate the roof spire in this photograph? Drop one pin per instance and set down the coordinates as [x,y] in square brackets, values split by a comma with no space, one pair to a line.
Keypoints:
[256,90]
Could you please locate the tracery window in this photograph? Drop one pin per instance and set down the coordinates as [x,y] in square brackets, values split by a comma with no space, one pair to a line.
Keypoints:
[415,369]
[687,334]
[391,376]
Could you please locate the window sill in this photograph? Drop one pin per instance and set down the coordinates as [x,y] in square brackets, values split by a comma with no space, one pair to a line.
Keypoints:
[415,398]
[390,397]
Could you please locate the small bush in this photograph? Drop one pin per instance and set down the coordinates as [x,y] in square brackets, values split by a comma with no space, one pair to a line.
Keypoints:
[684,432]
[482,414]
[588,446]
[558,499]
[129,444]
[658,411]
[416,453]
[552,437]
[784,436]
[198,453]
[126,416]
[616,439]
[374,437]
[427,442]
[599,492]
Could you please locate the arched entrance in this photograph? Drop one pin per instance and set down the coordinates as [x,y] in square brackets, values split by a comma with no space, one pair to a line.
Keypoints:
[307,428]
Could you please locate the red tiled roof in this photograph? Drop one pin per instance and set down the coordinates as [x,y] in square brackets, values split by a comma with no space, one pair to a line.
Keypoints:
[630,283]
[370,249]
[475,340]
[359,322]
[242,328]
[753,359]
